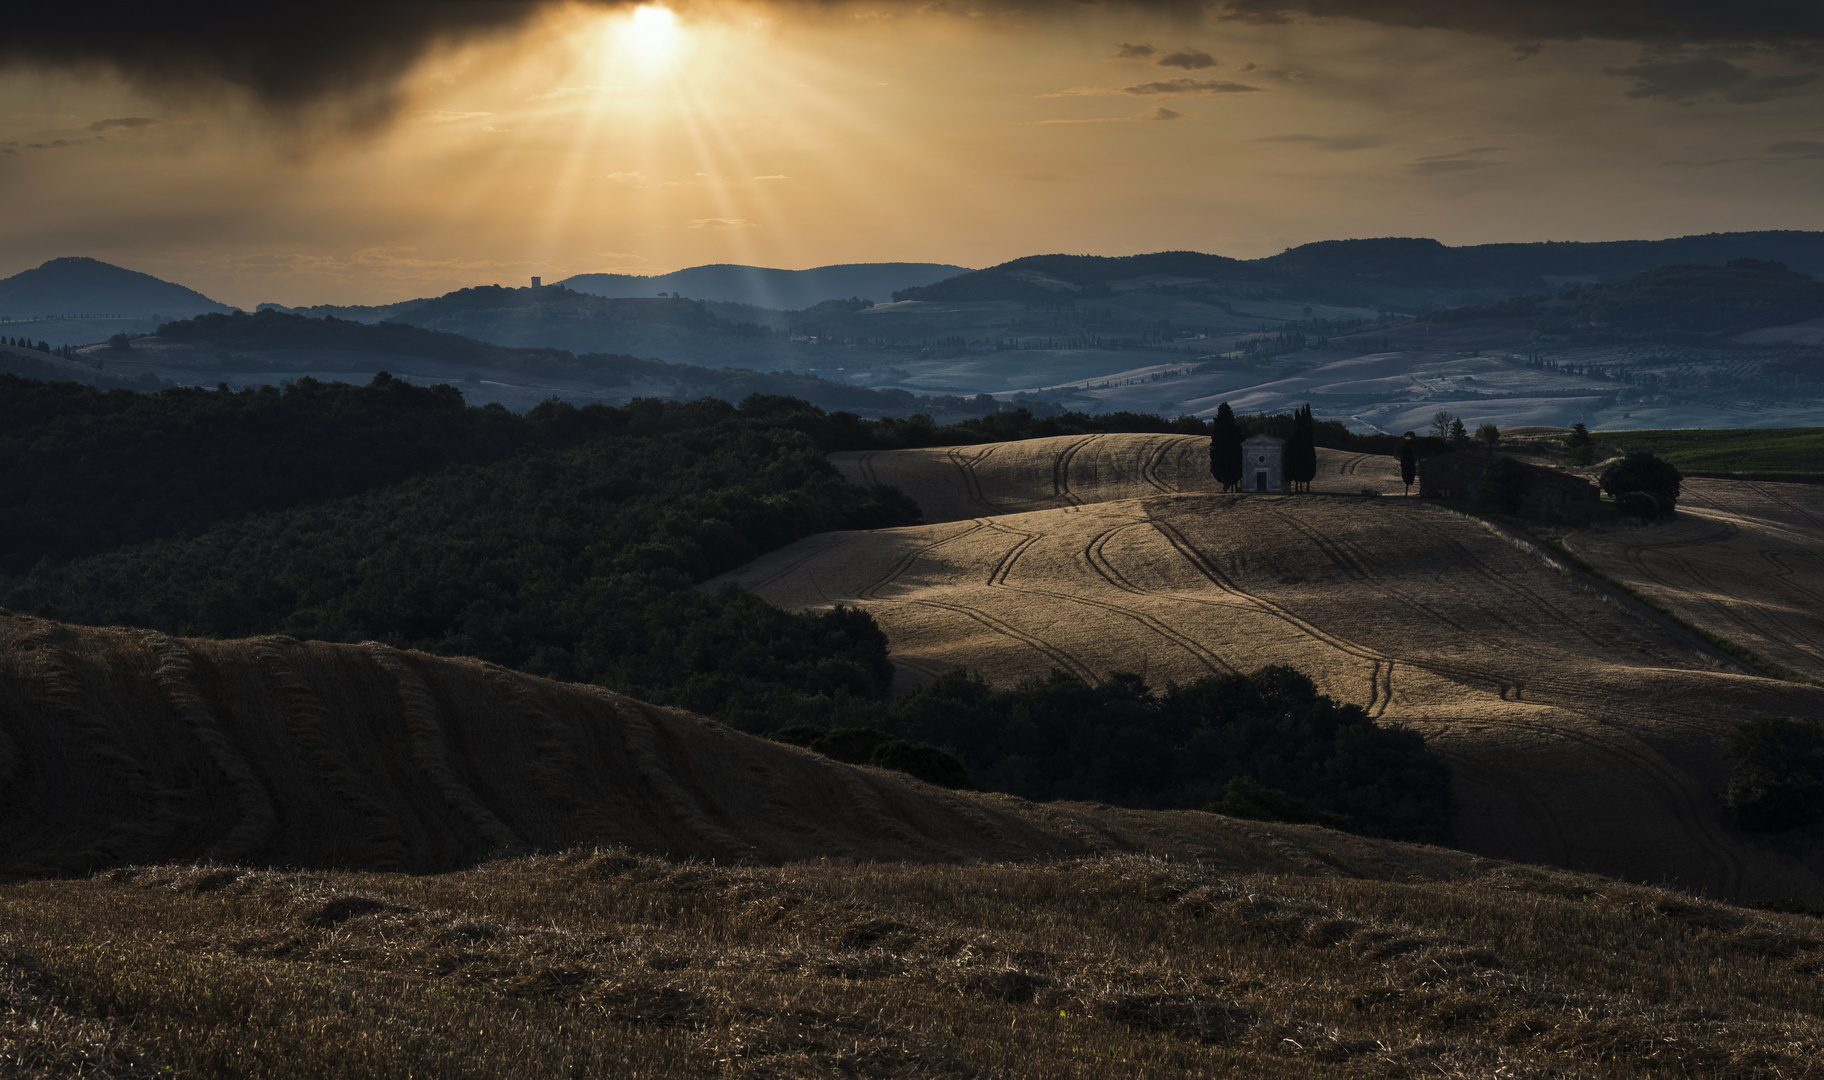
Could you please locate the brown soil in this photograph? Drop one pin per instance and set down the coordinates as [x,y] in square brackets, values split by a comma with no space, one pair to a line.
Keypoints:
[1580,734]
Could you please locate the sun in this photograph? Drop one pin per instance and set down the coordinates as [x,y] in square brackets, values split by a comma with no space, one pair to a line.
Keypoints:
[651,33]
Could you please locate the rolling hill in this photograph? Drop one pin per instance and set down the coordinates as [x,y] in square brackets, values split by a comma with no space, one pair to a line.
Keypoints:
[78,286]
[378,863]
[1583,729]
[760,286]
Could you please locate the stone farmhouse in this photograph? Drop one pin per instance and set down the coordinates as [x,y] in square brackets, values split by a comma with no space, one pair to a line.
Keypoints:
[1457,474]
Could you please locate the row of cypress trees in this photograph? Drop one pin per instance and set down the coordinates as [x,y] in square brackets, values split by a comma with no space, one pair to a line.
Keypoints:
[1299,463]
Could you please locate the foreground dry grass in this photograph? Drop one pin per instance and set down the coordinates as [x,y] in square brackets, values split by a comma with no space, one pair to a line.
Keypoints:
[606,964]
[1582,731]
[1743,560]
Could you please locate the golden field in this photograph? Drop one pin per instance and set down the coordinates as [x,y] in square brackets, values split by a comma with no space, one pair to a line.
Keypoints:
[1583,728]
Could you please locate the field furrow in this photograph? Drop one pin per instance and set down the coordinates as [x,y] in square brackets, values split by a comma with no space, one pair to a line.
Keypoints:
[1584,733]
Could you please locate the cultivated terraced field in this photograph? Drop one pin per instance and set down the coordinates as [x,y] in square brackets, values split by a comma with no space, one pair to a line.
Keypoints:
[1742,560]
[1582,731]
[122,747]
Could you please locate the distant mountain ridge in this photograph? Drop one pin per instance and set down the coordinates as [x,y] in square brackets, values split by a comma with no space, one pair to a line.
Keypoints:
[1384,261]
[782,290]
[76,285]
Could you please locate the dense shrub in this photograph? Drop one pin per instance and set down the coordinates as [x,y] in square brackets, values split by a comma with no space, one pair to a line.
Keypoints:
[1121,742]
[1778,779]
[1643,472]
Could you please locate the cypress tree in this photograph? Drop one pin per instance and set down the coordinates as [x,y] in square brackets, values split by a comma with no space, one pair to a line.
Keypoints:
[1409,465]
[1225,448]
[1301,450]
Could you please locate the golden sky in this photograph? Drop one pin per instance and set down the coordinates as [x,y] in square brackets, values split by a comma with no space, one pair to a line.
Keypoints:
[645,139]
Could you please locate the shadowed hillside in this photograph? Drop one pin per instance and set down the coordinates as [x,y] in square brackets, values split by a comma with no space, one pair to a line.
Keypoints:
[1583,729]
[126,746]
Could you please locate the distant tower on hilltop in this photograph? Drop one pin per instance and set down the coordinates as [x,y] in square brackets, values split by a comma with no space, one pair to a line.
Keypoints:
[1263,460]
[537,281]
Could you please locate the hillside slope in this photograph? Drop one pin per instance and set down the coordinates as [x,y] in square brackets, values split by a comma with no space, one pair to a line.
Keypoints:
[1582,731]
[120,747]
[785,290]
[1743,560]
[89,286]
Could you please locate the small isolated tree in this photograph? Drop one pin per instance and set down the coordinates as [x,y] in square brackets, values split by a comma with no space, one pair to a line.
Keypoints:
[1506,483]
[1409,463]
[1458,433]
[1580,435]
[1778,779]
[1487,433]
[1641,471]
[120,343]
[1225,448]
[1440,423]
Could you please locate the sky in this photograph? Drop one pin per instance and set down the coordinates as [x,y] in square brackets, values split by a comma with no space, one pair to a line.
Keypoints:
[376,151]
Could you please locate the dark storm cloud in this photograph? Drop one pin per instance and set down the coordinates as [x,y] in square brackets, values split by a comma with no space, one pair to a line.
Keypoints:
[1779,23]
[1189,60]
[1190,86]
[1461,161]
[1328,142]
[122,122]
[1708,77]
[286,55]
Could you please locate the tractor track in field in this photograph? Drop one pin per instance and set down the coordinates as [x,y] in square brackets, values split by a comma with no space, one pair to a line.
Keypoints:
[1381,666]
[1060,469]
[997,578]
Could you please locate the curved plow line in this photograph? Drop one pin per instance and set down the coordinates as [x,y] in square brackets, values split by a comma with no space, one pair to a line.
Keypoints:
[1060,469]
[1667,784]
[1816,521]
[1347,468]
[431,750]
[824,545]
[871,591]
[1355,563]
[1056,655]
[1755,619]
[641,742]
[865,466]
[998,579]
[1505,781]
[1676,593]
[306,723]
[972,484]
[1549,610]
[1150,461]
[175,679]
[1380,679]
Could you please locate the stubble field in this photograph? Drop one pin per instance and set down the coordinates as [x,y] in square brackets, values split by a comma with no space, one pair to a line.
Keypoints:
[1583,730]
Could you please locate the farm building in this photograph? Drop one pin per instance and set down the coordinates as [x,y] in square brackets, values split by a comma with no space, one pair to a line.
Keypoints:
[1457,474]
[1263,464]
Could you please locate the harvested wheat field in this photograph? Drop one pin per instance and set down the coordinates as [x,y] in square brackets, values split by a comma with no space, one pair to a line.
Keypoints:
[1583,730]
[953,483]
[1401,963]
[1743,560]
[122,747]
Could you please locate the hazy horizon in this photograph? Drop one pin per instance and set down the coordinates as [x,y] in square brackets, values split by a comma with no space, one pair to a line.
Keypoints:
[374,159]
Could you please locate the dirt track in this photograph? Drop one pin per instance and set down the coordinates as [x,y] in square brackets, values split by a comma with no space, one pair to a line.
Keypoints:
[1580,734]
